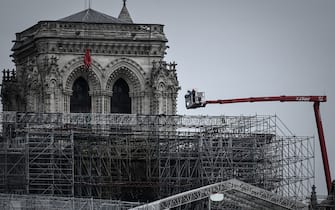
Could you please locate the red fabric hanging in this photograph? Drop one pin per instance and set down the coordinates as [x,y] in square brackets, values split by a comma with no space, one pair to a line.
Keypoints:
[87,59]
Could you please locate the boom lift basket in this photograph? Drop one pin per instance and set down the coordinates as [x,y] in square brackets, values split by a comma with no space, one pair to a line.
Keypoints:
[194,99]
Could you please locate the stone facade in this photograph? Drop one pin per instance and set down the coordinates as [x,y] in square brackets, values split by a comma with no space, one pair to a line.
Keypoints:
[49,59]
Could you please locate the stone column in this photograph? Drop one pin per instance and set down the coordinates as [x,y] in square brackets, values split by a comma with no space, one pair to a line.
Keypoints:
[106,97]
[136,102]
[52,93]
[67,98]
[146,102]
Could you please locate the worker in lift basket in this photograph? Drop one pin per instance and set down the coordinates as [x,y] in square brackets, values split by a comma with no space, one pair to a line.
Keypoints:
[193,95]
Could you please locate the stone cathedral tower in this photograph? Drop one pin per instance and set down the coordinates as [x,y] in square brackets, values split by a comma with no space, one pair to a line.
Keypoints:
[124,69]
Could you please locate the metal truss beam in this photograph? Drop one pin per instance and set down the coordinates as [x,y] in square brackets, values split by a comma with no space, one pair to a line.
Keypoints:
[223,187]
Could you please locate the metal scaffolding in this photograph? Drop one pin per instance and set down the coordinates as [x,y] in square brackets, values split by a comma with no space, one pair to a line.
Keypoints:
[145,158]
[38,202]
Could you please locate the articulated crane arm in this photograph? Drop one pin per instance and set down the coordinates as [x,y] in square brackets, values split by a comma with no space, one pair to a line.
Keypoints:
[195,99]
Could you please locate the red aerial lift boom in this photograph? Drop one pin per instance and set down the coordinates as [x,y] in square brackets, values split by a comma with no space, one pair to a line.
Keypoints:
[195,99]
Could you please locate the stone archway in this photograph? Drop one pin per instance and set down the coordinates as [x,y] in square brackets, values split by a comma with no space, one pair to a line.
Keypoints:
[128,75]
[87,79]
[125,76]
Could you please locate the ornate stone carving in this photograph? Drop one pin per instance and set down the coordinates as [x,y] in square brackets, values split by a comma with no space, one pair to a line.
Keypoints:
[165,87]
[105,48]
[130,71]
[88,74]
[11,92]
[78,62]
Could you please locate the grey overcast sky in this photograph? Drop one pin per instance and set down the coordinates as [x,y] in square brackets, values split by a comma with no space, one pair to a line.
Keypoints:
[229,49]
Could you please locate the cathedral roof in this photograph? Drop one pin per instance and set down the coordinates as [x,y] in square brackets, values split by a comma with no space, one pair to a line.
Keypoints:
[92,16]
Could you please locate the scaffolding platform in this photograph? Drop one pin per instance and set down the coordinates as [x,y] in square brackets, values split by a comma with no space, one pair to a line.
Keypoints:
[146,158]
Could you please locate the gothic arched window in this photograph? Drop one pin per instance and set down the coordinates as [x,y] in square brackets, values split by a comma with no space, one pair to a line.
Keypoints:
[121,102]
[80,101]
